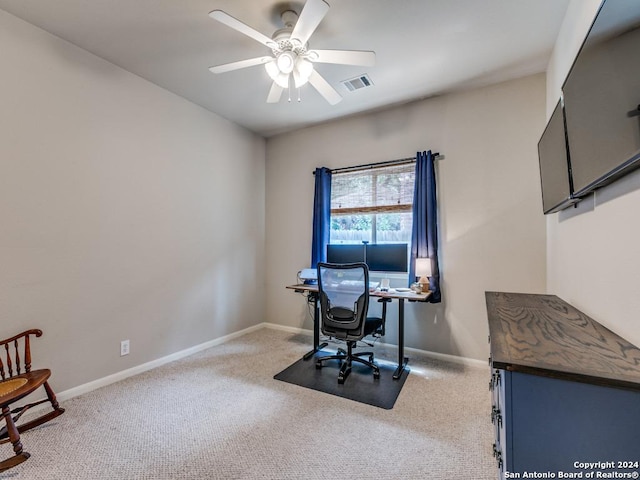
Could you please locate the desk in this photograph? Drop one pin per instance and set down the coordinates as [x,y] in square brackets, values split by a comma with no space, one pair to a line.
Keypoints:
[312,292]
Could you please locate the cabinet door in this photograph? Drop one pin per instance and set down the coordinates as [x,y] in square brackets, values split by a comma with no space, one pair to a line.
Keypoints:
[553,423]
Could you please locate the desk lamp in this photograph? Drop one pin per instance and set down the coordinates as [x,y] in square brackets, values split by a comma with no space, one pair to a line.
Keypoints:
[423,270]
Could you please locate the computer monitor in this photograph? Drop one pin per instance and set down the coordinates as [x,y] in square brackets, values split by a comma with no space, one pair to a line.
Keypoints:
[387,257]
[345,253]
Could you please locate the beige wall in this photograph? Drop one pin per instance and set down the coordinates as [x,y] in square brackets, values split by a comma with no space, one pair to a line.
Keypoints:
[593,258]
[126,212]
[492,227]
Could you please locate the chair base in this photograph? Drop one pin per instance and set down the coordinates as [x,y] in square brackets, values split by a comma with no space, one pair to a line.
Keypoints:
[347,358]
[11,432]
[13,461]
[51,398]
[14,437]
[31,424]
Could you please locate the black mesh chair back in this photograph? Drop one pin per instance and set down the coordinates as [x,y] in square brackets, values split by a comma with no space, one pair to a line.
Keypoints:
[343,291]
[344,299]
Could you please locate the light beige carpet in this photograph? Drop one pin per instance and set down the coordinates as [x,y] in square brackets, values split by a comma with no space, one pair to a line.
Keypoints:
[219,414]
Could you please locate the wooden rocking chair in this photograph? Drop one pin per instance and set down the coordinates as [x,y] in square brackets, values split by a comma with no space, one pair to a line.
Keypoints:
[18,381]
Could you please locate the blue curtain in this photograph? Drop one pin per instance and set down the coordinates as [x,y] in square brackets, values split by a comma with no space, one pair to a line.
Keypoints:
[321,216]
[424,235]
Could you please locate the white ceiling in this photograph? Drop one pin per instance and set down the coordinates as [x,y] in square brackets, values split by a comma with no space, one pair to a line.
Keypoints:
[423,48]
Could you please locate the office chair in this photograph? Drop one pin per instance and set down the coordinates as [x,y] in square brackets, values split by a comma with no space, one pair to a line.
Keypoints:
[16,382]
[343,291]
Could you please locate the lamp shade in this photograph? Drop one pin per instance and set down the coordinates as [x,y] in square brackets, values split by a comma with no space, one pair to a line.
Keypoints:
[286,61]
[282,79]
[423,267]
[272,69]
[302,72]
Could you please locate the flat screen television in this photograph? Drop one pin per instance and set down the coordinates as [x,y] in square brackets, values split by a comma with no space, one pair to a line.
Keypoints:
[345,253]
[602,98]
[387,257]
[555,165]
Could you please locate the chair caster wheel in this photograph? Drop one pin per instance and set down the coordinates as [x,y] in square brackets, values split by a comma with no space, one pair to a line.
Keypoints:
[318,365]
[376,375]
[341,380]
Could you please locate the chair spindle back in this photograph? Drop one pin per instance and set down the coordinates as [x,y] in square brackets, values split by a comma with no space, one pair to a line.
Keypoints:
[11,362]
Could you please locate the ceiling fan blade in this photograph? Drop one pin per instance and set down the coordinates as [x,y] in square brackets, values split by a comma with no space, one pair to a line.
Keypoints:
[250,62]
[312,14]
[275,93]
[236,24]
[322,86]
[345,57]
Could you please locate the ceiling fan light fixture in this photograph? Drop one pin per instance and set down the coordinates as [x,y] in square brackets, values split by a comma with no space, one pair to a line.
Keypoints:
[299,80]
[272,69]
[286,61]
[282,80]
[302,72]
[304,67]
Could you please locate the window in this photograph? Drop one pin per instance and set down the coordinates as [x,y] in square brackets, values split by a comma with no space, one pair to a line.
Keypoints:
[372,205]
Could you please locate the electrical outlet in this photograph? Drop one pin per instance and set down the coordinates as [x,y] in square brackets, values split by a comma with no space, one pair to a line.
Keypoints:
[124,348]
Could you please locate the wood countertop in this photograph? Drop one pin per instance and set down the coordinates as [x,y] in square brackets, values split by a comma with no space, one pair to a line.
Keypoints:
[543,335]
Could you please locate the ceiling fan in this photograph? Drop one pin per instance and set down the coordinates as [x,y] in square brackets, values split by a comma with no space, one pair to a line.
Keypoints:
[292,60]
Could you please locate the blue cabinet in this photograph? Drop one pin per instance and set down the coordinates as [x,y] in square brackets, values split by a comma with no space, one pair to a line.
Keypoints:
[565,392]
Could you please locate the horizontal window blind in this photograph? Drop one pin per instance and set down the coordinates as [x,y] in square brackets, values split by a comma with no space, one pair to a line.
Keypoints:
[385,189]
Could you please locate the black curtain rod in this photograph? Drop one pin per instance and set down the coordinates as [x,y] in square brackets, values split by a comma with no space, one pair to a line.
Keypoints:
[400,161]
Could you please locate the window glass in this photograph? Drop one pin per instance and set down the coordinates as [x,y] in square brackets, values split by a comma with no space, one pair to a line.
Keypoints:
[372,205]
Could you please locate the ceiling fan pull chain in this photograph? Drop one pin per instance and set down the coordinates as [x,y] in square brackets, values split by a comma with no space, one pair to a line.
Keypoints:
[289,92]
[298,94]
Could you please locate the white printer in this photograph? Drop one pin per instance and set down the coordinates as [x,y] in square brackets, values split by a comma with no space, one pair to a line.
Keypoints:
[308,275]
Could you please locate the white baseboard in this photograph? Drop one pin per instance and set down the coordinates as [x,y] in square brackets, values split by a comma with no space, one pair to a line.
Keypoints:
[130,372]
[471,362]
[284,328]
[116,377]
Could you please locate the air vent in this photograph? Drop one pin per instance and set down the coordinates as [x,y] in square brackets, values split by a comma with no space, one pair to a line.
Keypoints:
[357,83]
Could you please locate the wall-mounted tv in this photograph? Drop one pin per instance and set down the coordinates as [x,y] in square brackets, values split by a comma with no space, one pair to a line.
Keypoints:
[602,98]
[555,165]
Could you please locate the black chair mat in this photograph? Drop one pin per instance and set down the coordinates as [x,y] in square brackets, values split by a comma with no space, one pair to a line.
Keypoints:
[359,386]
